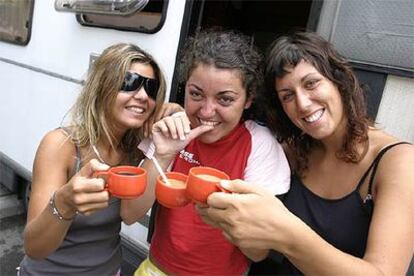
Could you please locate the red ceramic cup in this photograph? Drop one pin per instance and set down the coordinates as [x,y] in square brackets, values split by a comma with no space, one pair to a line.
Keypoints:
[203,181]
[172,195]
[125,182]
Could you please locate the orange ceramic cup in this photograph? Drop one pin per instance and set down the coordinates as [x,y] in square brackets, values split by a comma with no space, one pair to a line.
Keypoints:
[173,195]
[125,182]
[203,181]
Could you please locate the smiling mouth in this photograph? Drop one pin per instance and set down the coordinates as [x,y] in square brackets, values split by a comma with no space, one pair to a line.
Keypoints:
[208,123]
[136,110]
[315,116]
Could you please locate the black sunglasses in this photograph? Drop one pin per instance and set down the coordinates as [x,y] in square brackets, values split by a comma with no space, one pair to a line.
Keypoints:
[134,81]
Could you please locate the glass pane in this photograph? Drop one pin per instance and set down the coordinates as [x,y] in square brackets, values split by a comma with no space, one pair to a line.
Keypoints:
[376,32]
[149,20]
[111,7]
[16,20]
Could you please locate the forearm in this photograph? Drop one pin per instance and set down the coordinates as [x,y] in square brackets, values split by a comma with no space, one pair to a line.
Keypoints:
[314,256]
[133,210]
[44,234]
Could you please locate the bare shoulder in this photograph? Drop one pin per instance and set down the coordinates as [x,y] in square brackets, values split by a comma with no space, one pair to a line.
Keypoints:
[380,139]
[396,166]
[55,150]
[56,139]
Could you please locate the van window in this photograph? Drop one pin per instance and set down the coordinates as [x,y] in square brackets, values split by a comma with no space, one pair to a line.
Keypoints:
[148,20]
[374,33]
[16,21]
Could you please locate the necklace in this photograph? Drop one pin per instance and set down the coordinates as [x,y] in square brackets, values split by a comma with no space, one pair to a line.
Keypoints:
[98,154]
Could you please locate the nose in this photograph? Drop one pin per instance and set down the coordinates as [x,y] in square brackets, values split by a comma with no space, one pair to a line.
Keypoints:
[303,101]
[141,94]
[207,109]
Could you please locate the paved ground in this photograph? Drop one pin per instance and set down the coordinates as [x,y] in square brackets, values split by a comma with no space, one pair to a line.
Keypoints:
[11,243]
[12,221]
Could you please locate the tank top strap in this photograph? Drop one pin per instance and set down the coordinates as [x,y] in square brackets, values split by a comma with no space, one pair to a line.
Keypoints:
[373,167]
[78,161]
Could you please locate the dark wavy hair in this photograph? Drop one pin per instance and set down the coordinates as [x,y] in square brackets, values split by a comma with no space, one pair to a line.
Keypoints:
[225,49]
[288,51]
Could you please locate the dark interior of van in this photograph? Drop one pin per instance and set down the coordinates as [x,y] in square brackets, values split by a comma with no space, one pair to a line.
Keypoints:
[264,21]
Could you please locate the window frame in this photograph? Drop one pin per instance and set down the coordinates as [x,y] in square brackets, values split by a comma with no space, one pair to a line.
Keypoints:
[325,27]
[81,20]
[29,23]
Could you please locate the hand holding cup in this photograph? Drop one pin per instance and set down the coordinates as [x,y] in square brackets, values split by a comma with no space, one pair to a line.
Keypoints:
[203,181]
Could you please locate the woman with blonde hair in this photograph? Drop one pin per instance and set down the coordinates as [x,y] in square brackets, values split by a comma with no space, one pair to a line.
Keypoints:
[73,224]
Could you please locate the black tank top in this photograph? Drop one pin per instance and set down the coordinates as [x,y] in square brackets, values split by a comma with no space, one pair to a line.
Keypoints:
[343,222]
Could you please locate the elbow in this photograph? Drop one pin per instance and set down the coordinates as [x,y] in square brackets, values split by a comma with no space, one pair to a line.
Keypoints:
[33,249]
[258,258]
[128,221]
[129,217]
[257,255]
[33,253]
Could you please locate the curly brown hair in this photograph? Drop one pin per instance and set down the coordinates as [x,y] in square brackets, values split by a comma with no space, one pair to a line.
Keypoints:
[225,49]
[287,51]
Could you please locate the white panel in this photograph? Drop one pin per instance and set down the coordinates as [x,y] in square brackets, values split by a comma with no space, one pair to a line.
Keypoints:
[136,233]
[31,104]
[396,111]
[60,44]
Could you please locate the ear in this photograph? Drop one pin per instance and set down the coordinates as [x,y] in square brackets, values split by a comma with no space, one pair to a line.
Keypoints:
[249,102]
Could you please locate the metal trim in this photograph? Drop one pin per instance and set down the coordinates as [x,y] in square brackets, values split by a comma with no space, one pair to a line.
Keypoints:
[42,71]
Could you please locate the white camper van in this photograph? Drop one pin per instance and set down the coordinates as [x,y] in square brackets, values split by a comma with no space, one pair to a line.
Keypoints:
[46,48]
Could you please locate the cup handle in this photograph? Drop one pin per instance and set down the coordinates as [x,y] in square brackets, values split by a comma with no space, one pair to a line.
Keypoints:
[104,175]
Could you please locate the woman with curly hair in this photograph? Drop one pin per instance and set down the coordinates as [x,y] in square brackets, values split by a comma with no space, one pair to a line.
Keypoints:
[222,73]
[350,209]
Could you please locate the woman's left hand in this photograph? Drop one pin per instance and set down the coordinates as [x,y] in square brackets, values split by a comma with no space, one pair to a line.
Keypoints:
[250,217]
[167,109]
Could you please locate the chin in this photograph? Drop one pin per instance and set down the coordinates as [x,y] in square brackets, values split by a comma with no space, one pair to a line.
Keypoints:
[134,125]
[209,139]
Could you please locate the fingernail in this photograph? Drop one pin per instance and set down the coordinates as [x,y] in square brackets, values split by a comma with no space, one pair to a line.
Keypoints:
[225,184]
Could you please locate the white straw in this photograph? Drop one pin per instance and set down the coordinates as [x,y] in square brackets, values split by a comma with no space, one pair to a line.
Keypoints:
[160,171]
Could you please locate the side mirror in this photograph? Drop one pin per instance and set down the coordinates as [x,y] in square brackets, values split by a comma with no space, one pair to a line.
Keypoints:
[108,7]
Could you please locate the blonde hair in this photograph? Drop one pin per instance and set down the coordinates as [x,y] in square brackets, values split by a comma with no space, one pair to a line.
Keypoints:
[92,112]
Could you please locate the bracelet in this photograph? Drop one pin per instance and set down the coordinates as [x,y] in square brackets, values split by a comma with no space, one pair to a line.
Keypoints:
[55,211]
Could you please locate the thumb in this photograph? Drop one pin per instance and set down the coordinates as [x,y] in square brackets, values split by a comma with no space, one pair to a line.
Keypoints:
[92,166]
[239,186]
[195,132]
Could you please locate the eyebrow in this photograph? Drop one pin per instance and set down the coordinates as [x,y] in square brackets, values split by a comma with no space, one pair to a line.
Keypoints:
[301,80]
[219,93]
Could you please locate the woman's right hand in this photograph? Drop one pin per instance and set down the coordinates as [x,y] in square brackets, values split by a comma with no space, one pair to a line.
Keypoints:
[84,193]
[249,216]
[172,133]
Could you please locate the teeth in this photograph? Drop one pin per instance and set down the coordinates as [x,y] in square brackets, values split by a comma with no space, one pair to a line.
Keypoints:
[136,109]
[208,123]
[314,117]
